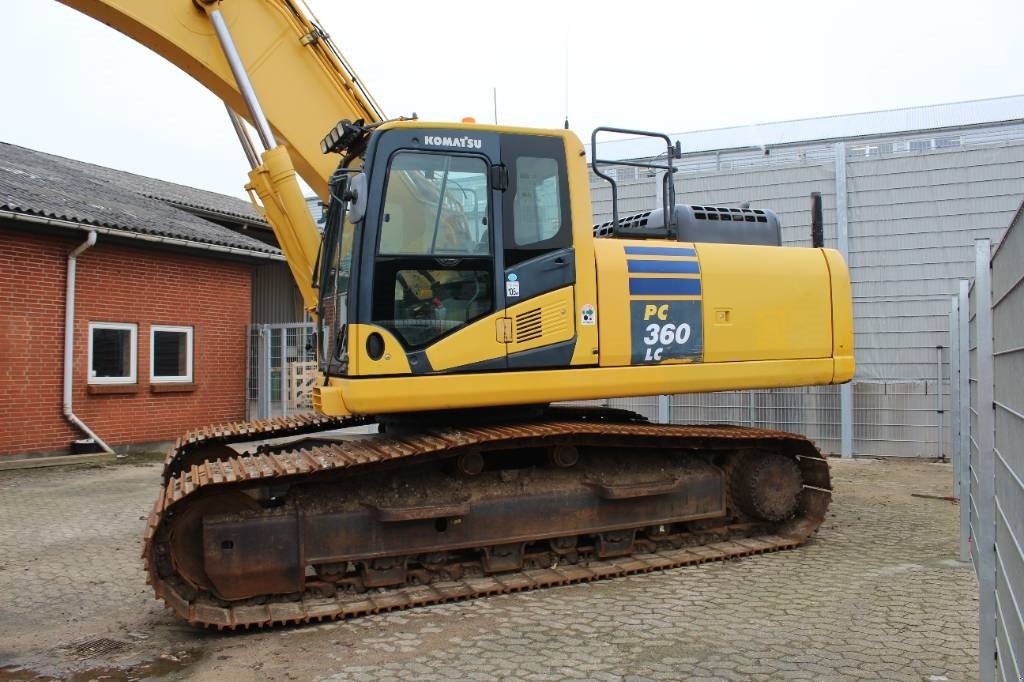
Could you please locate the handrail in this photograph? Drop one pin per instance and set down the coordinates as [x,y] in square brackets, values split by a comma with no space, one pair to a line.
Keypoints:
[668,194]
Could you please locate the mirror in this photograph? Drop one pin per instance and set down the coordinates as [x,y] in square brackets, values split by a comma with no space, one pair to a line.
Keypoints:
[357,198]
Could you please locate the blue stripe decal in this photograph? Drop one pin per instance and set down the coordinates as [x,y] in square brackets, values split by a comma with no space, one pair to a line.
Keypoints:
[684,266]
[640,286]
[659,251]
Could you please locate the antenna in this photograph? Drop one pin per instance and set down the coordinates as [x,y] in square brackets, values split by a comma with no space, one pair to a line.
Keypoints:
[495,93]
[567,75]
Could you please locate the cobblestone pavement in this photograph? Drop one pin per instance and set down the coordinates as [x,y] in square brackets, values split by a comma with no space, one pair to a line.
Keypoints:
[875,595]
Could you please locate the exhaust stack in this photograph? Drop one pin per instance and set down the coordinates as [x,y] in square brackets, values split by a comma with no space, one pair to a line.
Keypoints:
[817,223]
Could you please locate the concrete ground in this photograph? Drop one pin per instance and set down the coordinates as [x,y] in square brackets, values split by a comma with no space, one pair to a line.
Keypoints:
[876,594]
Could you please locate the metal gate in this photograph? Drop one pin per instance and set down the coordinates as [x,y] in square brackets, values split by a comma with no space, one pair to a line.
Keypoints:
[282,369]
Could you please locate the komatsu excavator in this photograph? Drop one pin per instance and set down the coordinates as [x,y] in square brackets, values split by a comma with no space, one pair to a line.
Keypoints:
[460,291]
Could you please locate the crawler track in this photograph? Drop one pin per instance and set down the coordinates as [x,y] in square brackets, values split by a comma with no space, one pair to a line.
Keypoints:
[461,575]
[212,442]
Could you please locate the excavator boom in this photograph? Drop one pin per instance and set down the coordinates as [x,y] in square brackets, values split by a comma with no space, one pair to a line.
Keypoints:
[304,84]
[289,81]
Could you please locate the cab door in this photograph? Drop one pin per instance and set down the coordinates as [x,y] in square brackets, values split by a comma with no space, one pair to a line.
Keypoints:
[434,272]
[539,261]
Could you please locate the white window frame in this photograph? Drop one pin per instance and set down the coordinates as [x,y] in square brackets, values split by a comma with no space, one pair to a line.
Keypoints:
[185,378]
[121,326]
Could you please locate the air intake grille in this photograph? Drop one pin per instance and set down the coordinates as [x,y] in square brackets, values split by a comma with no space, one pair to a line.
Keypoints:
[636,220]
[528,326]
[739,215]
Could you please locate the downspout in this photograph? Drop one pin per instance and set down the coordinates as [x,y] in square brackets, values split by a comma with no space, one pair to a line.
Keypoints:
[69,337]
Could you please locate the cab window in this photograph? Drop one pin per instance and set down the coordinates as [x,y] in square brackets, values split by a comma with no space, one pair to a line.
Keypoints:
[536,209]
[435,204]
[536,206]
[434,268]
[335,276]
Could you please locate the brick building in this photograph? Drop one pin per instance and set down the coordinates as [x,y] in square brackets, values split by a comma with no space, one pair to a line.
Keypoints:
[162,304]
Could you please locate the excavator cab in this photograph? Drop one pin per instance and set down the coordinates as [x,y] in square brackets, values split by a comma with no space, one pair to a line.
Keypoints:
[465,226]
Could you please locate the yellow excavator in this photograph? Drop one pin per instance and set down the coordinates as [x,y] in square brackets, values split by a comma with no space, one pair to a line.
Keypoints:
[460,292]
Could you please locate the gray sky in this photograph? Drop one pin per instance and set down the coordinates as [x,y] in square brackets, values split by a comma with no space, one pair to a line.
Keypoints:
[74,87]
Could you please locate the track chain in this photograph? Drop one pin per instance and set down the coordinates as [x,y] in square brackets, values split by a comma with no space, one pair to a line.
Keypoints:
[315,609]
[341,457]
[234,433]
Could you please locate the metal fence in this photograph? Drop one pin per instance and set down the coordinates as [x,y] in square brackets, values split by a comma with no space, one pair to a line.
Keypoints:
[987,321]
[888,418]
[895,418]
[812,411]
[282,366]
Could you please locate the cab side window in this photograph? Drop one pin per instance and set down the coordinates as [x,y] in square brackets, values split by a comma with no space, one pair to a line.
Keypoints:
[537,217]
[536,206]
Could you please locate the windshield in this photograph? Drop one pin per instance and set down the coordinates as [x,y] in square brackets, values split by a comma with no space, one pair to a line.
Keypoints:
[334,285]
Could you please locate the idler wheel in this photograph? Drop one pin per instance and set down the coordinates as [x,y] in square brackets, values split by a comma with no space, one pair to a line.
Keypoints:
[767,485]
[186,533]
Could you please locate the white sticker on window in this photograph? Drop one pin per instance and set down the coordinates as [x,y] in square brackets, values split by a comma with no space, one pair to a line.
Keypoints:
[512,289]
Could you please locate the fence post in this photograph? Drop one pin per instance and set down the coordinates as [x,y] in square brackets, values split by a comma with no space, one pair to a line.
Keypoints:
[954,395]
[964,389]
[283,371]
[842,243]
[985,442]
[249,367]
[940,451]
[263,382]
[664,410]
[846,420]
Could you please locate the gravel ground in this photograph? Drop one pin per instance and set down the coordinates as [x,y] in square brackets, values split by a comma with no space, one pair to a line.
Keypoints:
[876,594]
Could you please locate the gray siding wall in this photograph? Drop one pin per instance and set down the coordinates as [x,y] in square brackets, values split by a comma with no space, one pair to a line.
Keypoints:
[275,298]
[913,220]
[637,192]
[784,190]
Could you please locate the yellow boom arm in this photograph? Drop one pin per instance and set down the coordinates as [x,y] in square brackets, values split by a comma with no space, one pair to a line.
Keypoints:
[304,86]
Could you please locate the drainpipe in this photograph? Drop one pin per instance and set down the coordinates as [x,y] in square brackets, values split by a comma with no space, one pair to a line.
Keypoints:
[69,334]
